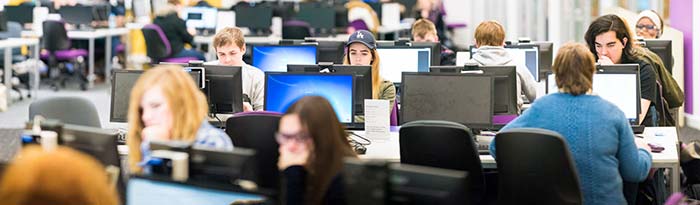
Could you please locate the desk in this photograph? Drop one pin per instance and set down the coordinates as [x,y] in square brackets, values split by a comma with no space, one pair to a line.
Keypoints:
[91,35]
[211,51]
[7,45]
[666,136]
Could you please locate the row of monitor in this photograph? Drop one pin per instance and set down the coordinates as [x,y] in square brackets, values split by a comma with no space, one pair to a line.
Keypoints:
[445,93]
[260,17]
[77,15]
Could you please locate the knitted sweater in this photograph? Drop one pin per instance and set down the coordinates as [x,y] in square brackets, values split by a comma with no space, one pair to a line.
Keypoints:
[600,140]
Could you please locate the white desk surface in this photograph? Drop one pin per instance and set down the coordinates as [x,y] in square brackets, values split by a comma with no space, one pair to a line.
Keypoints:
[17,42]
[248,39]
[666,136]
[76,34]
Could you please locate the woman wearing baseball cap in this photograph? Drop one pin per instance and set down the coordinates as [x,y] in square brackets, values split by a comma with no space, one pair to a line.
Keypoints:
[361,49]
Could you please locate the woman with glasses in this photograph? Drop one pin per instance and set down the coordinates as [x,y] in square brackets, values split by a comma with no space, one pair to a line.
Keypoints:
[312,147]
[649,25]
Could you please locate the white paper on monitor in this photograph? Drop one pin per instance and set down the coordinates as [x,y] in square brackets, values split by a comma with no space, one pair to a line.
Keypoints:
[377,119]
[462,57]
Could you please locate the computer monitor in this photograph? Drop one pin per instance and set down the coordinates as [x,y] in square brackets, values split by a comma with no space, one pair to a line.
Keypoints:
[3,22]
[618,84]
[214,166]
[283,89]
[373,182]
[662,48]
[331,51]
[527,55]
[98,143]
[254,18]
[469,96]
[505,97]
[319,17]
[435,51]
[224,89]
[150,190]
[397,59]
[274,58]
[20,14]
[101,12]
[363,79]
[77,15]
[200,17]
[545,56]
[122,82]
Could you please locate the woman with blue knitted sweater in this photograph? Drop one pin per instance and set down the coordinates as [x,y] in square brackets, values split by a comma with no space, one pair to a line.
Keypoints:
[601,141]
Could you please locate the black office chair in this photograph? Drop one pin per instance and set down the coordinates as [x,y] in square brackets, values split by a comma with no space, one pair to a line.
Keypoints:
[256,130]
[535,167]
[69,110]
[58,47]
[443,144]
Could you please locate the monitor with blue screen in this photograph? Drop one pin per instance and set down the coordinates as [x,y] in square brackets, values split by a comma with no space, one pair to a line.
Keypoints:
[142,190]
[395,60]
[274,58]
[283,89]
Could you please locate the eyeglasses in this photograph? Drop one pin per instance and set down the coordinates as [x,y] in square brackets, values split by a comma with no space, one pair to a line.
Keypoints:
[648,27]
[284,138]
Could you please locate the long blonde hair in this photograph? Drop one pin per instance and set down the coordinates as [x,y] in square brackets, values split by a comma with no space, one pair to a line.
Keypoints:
[60,176]
[376,79]
[187,104]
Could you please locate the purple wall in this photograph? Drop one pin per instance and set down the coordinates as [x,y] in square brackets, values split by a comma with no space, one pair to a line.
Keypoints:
[681,18]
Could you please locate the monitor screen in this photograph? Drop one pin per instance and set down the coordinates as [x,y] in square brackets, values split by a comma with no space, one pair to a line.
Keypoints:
[470,97]
[395,60]
[363,79]
[621,89]
[528,56]
[276,57]
[258,17]
[122,82]
[317,16]
[76,14]
[283,89]
[662,48]
[20,14]
[200,17]
[149,191]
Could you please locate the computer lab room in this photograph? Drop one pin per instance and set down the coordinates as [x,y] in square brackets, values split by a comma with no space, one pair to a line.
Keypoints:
[367,102]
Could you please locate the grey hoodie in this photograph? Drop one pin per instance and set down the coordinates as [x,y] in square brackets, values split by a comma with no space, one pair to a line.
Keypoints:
[497,55]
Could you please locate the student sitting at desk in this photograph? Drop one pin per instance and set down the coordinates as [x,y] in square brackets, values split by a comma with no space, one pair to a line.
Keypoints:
[599,136]
[611,42]
[176,30]
[60,176]
[490,39]
[165,104]
[424,30]
[361,49]
[230,47]
[313,145]
[649,25]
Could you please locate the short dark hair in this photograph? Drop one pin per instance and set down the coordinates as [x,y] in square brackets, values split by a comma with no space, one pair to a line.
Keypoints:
[611,22]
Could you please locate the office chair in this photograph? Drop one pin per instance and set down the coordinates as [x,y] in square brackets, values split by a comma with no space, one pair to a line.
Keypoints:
[296,29]
[443,144]
[158,46]
[394,117]
[59,50]
[69,110]
[256,130]
[535,167]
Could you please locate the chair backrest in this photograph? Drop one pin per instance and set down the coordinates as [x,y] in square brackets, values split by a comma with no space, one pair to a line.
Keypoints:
[359,24]
[157,44]
[535,167]
[58,40]
[256,130]
[69,110]
[296,29]
[443,144]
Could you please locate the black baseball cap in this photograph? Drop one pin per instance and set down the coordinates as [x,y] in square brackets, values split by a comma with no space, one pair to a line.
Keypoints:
[364,37]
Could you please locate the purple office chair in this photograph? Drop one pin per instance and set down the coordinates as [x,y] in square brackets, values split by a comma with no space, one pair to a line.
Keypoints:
[58,47]
[359,24]
[296,29]
[256,130]
[158,46]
